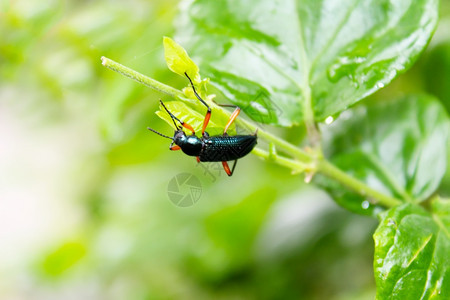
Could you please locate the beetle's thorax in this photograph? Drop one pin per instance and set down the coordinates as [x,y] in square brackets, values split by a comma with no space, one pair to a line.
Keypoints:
[189,144]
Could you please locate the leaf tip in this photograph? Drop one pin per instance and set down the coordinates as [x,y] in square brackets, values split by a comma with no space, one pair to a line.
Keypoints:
[178,60]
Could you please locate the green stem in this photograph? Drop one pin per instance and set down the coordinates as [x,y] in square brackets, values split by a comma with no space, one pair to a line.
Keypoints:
[141,78]
[296,166]
[280,143]
[331,171]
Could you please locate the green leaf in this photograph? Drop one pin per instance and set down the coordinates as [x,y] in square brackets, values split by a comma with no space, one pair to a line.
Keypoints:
[337,52]
[412,249]
[179,61]
[398,148]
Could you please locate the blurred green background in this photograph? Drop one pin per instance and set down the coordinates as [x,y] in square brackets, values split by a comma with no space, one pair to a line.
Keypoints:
[84,206]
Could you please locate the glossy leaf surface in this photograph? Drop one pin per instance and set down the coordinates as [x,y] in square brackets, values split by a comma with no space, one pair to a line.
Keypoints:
[412,249]
[336,51]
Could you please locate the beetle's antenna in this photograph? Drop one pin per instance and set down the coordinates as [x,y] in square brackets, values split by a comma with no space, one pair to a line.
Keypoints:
[159,133]
[171,115]
[195,92]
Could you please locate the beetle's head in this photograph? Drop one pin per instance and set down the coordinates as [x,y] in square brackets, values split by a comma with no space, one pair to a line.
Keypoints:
[179,136]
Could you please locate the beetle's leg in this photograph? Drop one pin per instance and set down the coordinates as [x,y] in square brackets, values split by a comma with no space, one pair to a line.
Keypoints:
[173,146]
[208,113]
[198,159]
[206,120]
[234,166]
[185,125]
[227,168]
[233,117]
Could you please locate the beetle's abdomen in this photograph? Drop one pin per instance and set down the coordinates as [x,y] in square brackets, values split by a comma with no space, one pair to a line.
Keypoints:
[226,148]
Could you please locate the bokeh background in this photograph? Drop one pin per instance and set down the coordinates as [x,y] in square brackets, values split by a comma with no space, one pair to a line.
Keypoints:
[84,206]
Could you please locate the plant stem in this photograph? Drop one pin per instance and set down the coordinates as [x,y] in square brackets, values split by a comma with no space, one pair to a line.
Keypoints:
[141,78]
[280,143]
[296,166]
[331,171]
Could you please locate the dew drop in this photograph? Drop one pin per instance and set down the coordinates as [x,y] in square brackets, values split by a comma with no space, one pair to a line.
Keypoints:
[365,204]
[308,177]
[380,85]
[329,120]
[345,66]
[391,223]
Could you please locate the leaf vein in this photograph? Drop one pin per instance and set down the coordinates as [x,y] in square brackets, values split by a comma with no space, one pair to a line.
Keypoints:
[419,250]
[272,65]
[429,265]
[391,179]
[441,225]
[335,34]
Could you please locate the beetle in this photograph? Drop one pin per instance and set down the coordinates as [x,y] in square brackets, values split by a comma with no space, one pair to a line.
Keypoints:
[208,148]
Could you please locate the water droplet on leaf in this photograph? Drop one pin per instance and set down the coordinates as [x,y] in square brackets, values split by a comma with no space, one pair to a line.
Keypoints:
[345,67]
[392,223]
[329,120]
[308,177]
[365,204]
